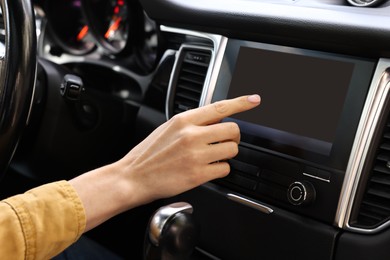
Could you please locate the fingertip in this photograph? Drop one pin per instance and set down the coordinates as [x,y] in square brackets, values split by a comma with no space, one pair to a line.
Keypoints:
[255,99]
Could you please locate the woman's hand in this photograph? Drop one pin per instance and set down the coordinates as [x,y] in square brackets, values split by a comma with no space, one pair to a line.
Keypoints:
[186,151]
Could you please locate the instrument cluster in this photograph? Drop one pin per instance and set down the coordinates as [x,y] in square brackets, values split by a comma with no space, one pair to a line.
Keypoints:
[104,29]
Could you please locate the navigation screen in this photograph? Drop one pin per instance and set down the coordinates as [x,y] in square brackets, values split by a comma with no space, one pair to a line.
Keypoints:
[311,101]
[300,94]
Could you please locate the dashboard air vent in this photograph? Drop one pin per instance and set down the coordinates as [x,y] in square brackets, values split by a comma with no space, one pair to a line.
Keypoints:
[375,205]
[189,79]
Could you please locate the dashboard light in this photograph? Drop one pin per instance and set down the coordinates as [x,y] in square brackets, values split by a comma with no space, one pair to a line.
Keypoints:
[83,32]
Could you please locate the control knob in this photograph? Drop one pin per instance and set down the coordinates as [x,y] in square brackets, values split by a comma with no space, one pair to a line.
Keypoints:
[301,193]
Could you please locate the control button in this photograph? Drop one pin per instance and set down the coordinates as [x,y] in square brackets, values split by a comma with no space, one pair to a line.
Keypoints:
[242,181]
[273,192]
[245,167]
[301,193]
[198,57]
[277,178]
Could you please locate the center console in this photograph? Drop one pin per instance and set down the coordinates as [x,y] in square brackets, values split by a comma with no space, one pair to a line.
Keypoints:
[295,146]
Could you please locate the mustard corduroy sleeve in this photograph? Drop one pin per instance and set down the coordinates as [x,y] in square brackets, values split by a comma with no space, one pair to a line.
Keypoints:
[40,223]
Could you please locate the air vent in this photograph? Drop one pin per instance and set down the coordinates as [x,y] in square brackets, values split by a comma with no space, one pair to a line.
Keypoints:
[375,205]
[188,80]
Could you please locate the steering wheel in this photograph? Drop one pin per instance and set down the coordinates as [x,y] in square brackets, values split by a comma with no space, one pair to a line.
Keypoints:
[18,64]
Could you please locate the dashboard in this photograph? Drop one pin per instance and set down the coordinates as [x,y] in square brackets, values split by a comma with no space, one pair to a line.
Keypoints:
[312,177]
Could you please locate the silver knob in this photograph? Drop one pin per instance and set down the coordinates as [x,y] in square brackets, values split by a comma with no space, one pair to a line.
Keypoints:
[162,216]
[301,193]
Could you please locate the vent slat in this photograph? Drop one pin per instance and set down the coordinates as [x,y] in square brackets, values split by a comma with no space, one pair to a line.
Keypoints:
[371,216]
[195,72]
[192,68]
[376,204]
[385,146]
[384,157]
[379,193]
[189,87]
[381,180]
[188,96]
[193,79]
[381,168]
[183,107]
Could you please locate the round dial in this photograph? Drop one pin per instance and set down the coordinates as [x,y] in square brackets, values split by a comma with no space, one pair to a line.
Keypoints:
[112,23]
[69,26]
[301,193]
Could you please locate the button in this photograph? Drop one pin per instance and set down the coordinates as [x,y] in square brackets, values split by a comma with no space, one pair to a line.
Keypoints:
[242,181]
[203,58]
[276,178]
[272,192]
[245,167]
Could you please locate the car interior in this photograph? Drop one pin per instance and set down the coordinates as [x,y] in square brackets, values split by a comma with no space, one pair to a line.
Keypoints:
[83,81]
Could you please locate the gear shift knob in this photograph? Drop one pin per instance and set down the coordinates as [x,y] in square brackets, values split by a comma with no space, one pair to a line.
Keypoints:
[171,233]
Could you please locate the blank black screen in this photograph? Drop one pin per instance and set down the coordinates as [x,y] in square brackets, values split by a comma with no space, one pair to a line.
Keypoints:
[302,95]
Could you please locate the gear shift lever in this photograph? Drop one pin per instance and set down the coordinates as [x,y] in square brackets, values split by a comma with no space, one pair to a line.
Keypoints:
[171,233]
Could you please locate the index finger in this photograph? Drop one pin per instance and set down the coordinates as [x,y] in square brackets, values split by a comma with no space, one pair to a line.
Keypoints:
[215,112]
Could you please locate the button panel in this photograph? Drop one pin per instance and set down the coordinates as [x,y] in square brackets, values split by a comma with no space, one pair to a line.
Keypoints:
[268,178]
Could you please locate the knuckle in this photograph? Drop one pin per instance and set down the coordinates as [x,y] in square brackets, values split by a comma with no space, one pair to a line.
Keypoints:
[233,149]
[191,157]
[225,170]
[221,107]
[178,120]
[186,137]
[234,128]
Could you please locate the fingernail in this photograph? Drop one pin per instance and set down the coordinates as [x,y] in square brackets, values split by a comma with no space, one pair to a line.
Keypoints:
[254,98]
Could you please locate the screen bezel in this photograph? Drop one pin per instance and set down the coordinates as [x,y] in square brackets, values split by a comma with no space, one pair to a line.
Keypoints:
[349,118]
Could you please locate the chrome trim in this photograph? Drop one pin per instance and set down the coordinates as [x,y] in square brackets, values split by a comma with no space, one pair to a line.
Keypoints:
[249,203]
[218,52]
[211,80]
[373,108]
[169,90]
[206,254]
[364,3]
[32,95]
[316,177]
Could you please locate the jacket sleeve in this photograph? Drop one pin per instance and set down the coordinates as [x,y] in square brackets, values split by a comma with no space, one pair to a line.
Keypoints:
[40,223]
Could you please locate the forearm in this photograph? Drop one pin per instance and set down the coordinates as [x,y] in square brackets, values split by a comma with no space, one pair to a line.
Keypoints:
[104,194]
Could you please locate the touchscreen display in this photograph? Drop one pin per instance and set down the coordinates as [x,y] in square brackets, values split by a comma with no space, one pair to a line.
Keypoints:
[311,101]
[302,96]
